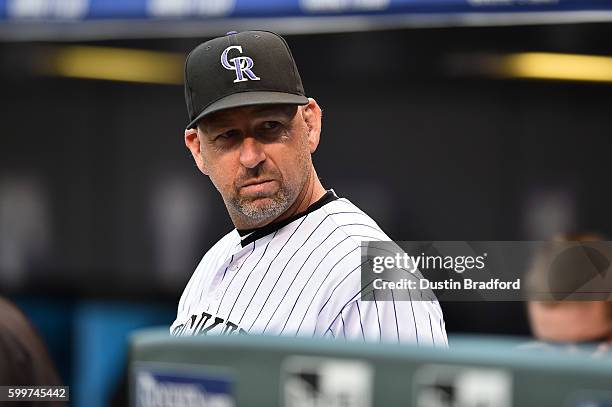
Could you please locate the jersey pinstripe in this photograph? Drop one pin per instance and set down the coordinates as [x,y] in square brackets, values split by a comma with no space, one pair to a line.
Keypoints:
[302,279]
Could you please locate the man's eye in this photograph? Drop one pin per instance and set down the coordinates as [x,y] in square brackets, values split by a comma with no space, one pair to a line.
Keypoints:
[227,135]
[270,125]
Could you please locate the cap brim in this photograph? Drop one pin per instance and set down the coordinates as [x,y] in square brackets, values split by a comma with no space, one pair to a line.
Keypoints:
[252,98]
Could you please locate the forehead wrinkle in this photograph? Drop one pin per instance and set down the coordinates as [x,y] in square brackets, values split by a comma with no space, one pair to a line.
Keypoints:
[217,120]
[283,109]
[228,117]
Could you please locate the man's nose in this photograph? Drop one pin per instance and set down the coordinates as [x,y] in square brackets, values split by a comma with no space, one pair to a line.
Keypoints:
[251,152]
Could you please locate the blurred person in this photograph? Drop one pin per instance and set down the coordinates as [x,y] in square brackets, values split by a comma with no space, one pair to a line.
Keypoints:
[291,266]
[568,323]
[24,361]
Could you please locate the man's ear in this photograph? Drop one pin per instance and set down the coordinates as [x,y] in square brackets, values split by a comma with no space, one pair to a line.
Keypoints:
[192,141]
[312,116]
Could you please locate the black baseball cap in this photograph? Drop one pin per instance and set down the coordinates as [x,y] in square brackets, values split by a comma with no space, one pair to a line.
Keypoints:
[240,69]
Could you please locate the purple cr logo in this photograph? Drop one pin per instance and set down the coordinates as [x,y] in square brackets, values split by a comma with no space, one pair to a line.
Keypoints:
[242,65]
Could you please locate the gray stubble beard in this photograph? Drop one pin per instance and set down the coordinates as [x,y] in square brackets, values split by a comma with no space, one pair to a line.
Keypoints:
[279,203]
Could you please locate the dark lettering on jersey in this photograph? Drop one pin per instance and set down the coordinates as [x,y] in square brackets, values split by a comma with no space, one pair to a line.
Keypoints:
[193,319]
[204,331]
[178,330]
[229,325]
[203,319]
[202,327]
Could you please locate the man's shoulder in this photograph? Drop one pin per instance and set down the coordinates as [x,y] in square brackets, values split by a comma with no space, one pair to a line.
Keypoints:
[350,220]
[341,229]
[346,229]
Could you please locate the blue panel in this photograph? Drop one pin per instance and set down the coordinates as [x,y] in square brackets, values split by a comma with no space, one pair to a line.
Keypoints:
[101,330]
[117,9]
[245,8]
[131,9]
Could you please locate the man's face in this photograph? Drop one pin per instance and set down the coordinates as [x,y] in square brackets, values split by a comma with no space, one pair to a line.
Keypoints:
[258,158]
[570,321]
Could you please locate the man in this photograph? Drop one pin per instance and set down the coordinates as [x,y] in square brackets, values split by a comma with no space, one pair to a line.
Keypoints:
[563,324]
[292,265]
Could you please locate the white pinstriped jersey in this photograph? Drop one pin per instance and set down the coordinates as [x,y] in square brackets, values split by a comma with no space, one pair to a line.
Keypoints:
[301,279]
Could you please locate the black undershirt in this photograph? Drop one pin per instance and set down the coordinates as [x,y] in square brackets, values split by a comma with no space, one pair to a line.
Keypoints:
[273,227]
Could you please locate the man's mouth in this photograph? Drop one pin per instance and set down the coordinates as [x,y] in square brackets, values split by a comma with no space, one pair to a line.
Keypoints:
[258,187]
[255,182]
